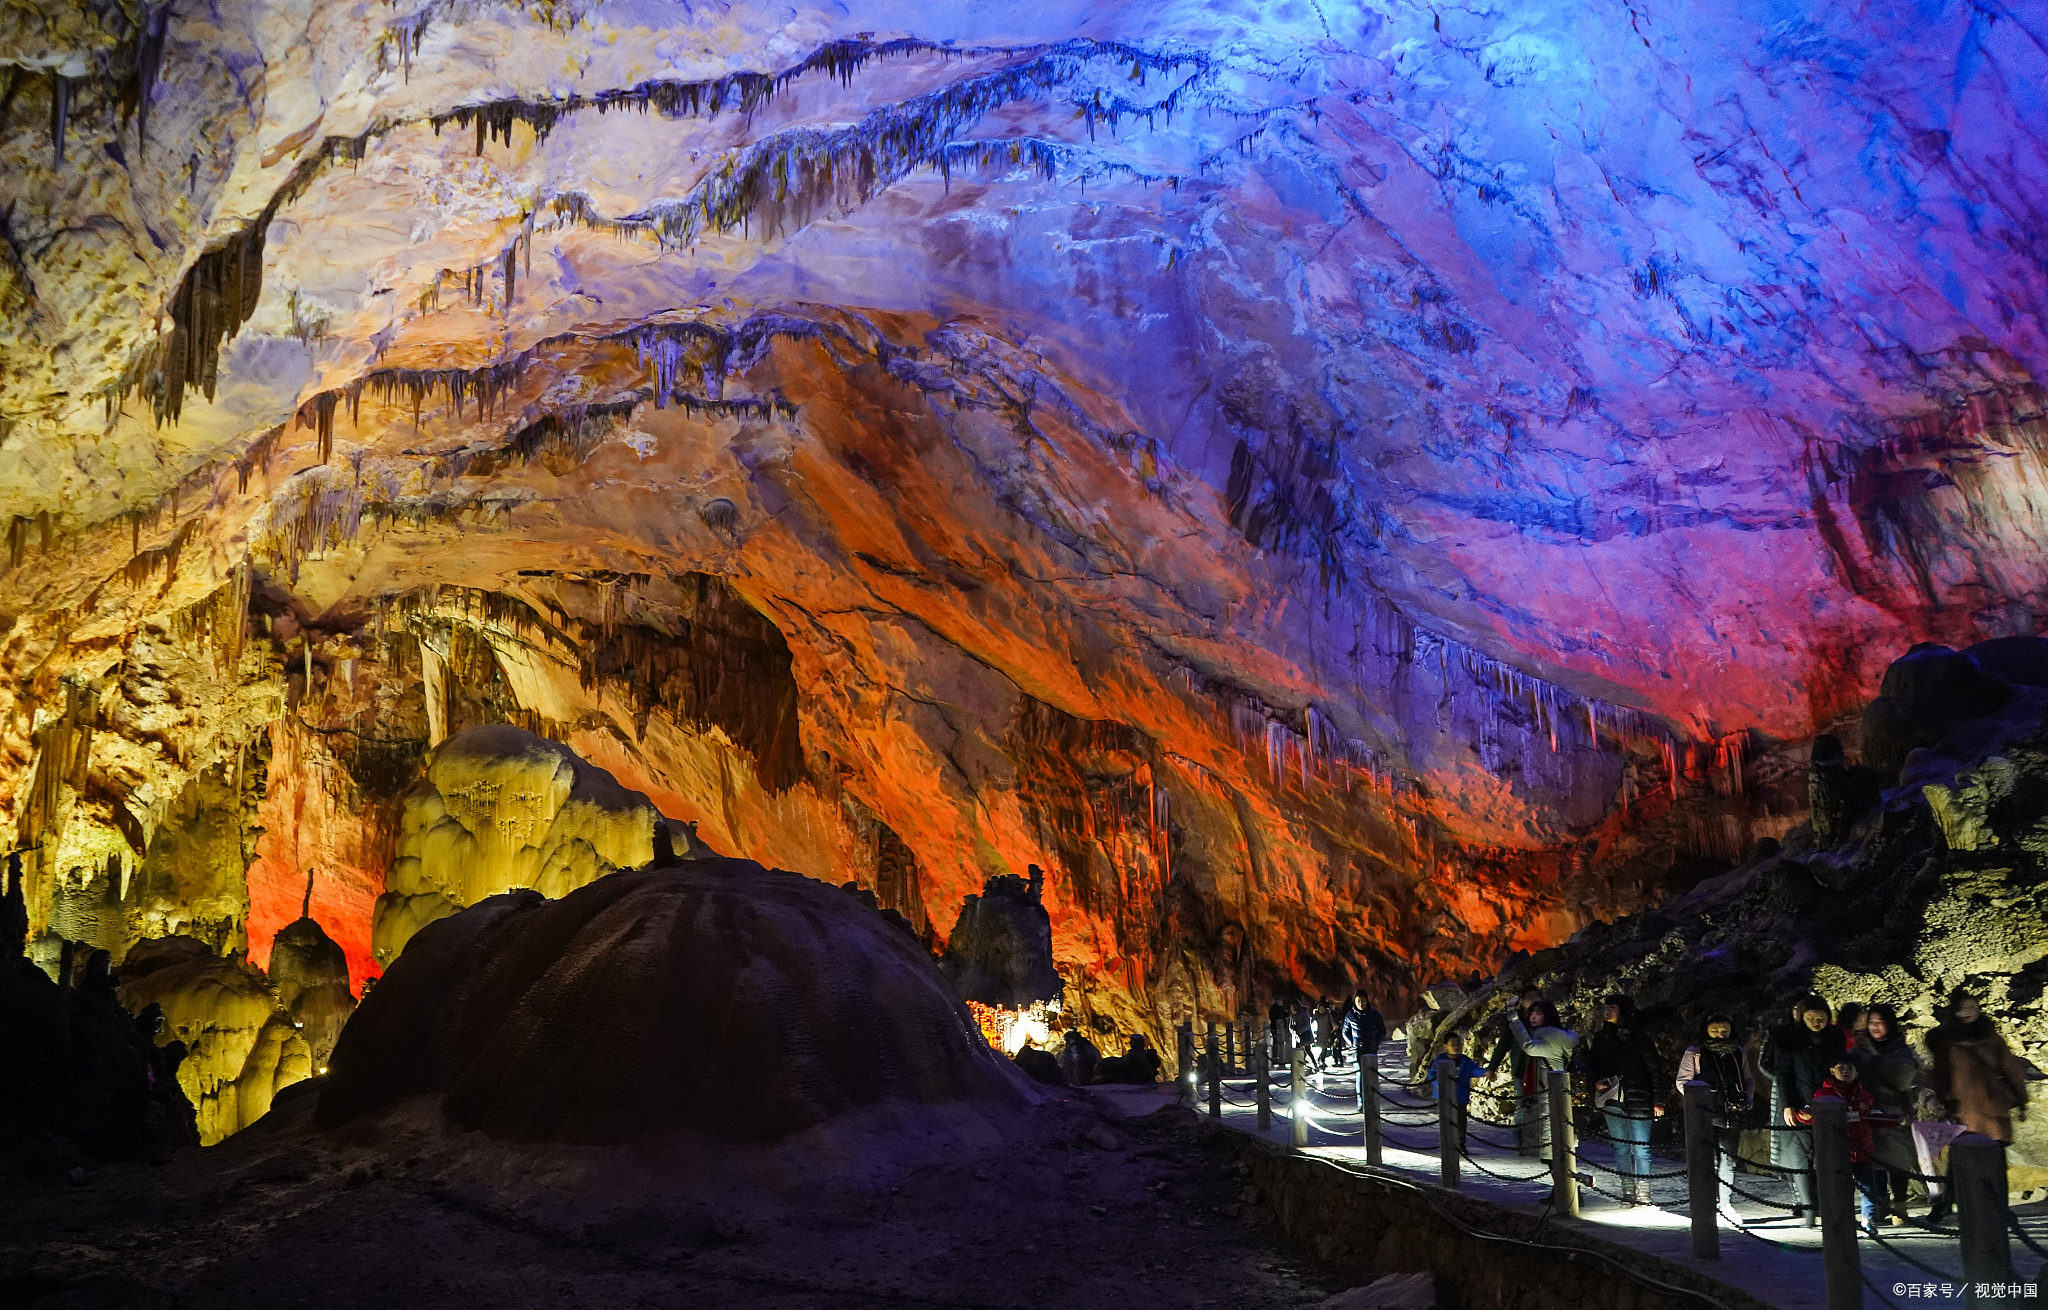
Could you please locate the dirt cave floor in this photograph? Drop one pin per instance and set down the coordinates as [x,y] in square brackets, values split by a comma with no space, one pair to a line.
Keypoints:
[1109,1201]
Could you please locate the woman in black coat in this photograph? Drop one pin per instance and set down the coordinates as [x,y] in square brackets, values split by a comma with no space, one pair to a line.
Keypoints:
[1621,1062]
[1804,1055]
[1885,1064]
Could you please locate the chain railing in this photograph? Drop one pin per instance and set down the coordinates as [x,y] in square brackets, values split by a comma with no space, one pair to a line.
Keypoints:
[1379,1104]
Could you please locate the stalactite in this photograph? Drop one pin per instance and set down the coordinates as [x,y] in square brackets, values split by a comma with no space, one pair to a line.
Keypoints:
[256,456]
[60,116]
[727,667]
[318,414]
[218,624]
[742,92]
[150,36]
[63,756]
[143,566]
[214,298]
[670,352]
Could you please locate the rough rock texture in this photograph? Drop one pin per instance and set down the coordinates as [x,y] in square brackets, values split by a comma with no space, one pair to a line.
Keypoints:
[501,809]
[1936,885]
[1000,952]
[242,1046]
[1350,492]
[715,998]
[309,974]
[1149,1219]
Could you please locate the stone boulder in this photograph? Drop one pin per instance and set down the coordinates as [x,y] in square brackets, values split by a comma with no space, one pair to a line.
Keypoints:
[1925,695]
[716,997]
[1000,952]
[502,809]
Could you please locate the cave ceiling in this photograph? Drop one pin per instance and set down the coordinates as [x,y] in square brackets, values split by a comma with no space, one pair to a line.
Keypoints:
[1349,488]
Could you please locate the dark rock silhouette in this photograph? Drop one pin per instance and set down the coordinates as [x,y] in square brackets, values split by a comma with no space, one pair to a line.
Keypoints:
[1924,696]
[1041,1066]
[1000,952]
[718,997]
[85,1083]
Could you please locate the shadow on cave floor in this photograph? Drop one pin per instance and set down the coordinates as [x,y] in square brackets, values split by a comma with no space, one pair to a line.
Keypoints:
[1082,1207]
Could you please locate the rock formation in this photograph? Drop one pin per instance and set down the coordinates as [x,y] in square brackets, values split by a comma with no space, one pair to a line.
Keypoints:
[242,1047]
[84,1084]
[1933,886]
[309,974]
[1350,495]
[501,809]
[717,998]
[1000,952]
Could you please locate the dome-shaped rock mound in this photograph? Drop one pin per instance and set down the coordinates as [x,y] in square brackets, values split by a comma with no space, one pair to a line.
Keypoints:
[720,998]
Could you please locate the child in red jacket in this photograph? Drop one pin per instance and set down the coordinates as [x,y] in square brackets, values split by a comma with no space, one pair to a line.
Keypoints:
[1842,1084]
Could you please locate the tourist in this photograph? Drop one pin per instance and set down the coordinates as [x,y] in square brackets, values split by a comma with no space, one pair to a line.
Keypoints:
[1439,999]
[1276,1031]
[1506,1049]
[1850,1019]
[1463,1070]
[1545,1045]
[1141,1055]
[1304,1022]
[1139,1064]
[1804,1054]
[1364,1027]
[1328,1050]
[1890,1071]
[1842,1084]
[1622,1064]
[1718,1060]
[1975,1072]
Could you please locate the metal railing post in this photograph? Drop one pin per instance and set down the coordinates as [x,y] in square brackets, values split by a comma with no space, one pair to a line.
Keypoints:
[1297,1099]
[1262,1078]
[1230,1048]
[1702,1172]
[1835,1197]
[1215,1077]
[1564,1145]
[1976,1171]
[1369,1100]
[1447,1122]
[1184,1057]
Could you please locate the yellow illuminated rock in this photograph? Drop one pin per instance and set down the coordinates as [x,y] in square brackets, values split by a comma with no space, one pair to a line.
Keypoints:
[503,808]
[243,1047]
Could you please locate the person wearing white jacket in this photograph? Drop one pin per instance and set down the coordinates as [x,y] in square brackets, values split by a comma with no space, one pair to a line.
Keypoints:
[1548,1046]
[1719,1060]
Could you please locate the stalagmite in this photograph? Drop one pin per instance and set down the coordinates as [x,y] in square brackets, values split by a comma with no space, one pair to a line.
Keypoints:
[502,809]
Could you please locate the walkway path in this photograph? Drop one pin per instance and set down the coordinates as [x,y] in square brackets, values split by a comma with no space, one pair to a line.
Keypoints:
[1772,1257]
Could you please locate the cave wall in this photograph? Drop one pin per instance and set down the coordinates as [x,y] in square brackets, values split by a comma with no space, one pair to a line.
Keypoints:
[1350,494]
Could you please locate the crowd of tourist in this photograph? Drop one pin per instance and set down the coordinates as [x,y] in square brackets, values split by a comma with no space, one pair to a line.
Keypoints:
[1905,1106]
